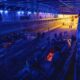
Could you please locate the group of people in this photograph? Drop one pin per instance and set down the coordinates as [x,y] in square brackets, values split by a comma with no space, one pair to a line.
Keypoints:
[59,37]
[62,38]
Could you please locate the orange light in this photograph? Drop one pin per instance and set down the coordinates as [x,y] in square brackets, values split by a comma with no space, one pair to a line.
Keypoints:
[50,56]
[76,16]
[69,42]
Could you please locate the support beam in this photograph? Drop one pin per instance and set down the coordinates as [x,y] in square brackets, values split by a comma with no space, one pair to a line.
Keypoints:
[78,51]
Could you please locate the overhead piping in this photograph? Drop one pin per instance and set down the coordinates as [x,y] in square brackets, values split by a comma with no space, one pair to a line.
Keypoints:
[65,4]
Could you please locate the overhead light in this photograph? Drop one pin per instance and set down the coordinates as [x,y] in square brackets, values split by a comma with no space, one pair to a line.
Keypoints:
[20,12]
[29,12]
[35,12]
[40,12]
[1,11]
[6,11]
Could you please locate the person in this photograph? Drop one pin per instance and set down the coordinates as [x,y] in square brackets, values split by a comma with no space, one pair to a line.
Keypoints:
[55,37]
[55,42]
[66,36]
[43,34]
[60,38]
[70,26]
[73,39]
[38,35]
[63,24]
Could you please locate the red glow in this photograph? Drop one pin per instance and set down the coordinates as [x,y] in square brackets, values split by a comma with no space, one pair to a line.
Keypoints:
[76,16]
[50,56]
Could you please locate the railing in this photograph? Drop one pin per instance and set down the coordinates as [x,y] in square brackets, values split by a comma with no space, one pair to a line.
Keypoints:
[22,73]
[8,27]
[65,68]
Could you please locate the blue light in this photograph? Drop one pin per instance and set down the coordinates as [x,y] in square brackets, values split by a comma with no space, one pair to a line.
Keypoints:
[35,12]
[20,12]
[5,11]
[29,12]
[40,13]
[1,11]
